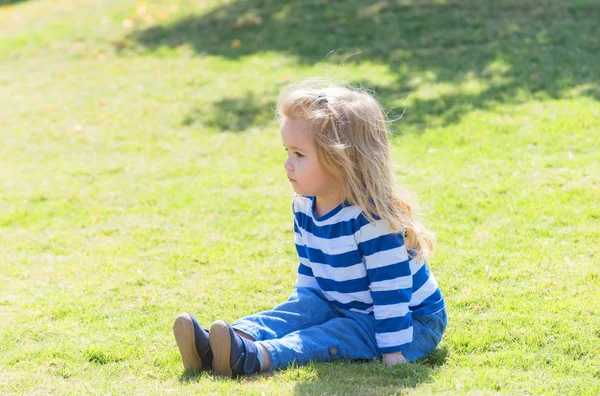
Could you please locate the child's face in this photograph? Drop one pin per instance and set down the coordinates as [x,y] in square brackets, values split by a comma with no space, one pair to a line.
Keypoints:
[303,168]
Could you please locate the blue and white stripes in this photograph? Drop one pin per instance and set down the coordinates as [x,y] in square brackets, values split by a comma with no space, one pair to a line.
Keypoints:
[364,267]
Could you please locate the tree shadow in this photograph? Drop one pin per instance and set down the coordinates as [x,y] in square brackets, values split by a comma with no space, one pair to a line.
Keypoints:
[372,378]
[472,54]
[11,2]
[233,114]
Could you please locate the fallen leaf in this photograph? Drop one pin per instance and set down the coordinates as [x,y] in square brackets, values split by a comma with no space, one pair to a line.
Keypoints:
[248,21]
[236,43]
[120,44]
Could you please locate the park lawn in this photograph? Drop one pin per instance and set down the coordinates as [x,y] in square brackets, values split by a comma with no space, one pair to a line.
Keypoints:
[141,175]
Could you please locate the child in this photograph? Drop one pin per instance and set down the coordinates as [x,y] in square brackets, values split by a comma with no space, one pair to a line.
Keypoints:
[364,290]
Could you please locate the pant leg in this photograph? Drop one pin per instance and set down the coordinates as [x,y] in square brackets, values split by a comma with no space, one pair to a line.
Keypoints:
[338,338]
[427,333]
[305,307]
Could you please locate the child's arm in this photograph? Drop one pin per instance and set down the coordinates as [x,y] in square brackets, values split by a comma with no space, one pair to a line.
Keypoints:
[389,272]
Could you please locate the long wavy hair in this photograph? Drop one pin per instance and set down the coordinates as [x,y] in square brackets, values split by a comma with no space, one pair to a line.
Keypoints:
[350,133]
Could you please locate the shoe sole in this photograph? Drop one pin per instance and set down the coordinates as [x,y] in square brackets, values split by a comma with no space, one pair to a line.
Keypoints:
[220,343]
[183,329]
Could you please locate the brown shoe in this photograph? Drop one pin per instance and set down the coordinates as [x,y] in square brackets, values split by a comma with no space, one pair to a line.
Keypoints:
[234,355]
[193,343]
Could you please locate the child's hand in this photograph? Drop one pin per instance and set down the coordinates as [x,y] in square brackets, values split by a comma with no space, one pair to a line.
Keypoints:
[392,359]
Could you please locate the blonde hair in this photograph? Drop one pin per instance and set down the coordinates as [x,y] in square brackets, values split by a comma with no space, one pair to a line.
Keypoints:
[351,138]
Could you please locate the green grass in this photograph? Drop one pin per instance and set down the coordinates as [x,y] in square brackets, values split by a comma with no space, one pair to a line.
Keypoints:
[141,175]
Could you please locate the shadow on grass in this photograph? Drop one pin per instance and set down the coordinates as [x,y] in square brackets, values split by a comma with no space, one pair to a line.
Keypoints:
[346,377]
[234,114]
[474,54]
[188,377]
[372,378]
[11,2]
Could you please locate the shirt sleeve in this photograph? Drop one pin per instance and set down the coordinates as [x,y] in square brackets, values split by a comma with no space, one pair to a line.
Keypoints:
[305,276]
[390,283]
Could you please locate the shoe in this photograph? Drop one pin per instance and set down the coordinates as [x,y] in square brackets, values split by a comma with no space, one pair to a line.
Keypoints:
[233,355]
[193,343]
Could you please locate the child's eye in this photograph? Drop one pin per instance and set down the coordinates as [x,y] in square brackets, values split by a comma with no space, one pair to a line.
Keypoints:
[297,154]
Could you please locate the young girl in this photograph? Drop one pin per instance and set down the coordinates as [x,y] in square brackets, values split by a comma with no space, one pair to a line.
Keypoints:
[364,290]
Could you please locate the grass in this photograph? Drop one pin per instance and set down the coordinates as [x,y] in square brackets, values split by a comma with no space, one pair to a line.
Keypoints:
[141,176]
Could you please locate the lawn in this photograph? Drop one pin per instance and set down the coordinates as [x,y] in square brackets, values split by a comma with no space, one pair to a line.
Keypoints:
[141,175]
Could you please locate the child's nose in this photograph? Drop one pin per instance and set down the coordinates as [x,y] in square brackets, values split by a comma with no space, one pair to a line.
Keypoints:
[288,166]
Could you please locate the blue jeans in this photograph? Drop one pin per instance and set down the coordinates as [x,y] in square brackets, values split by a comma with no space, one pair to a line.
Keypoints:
[309,327]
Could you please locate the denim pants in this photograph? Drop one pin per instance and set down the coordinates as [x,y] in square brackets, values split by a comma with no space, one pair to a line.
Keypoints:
[309,327]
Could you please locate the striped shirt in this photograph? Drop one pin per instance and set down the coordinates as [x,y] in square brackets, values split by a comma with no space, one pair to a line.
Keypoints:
[364,267]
